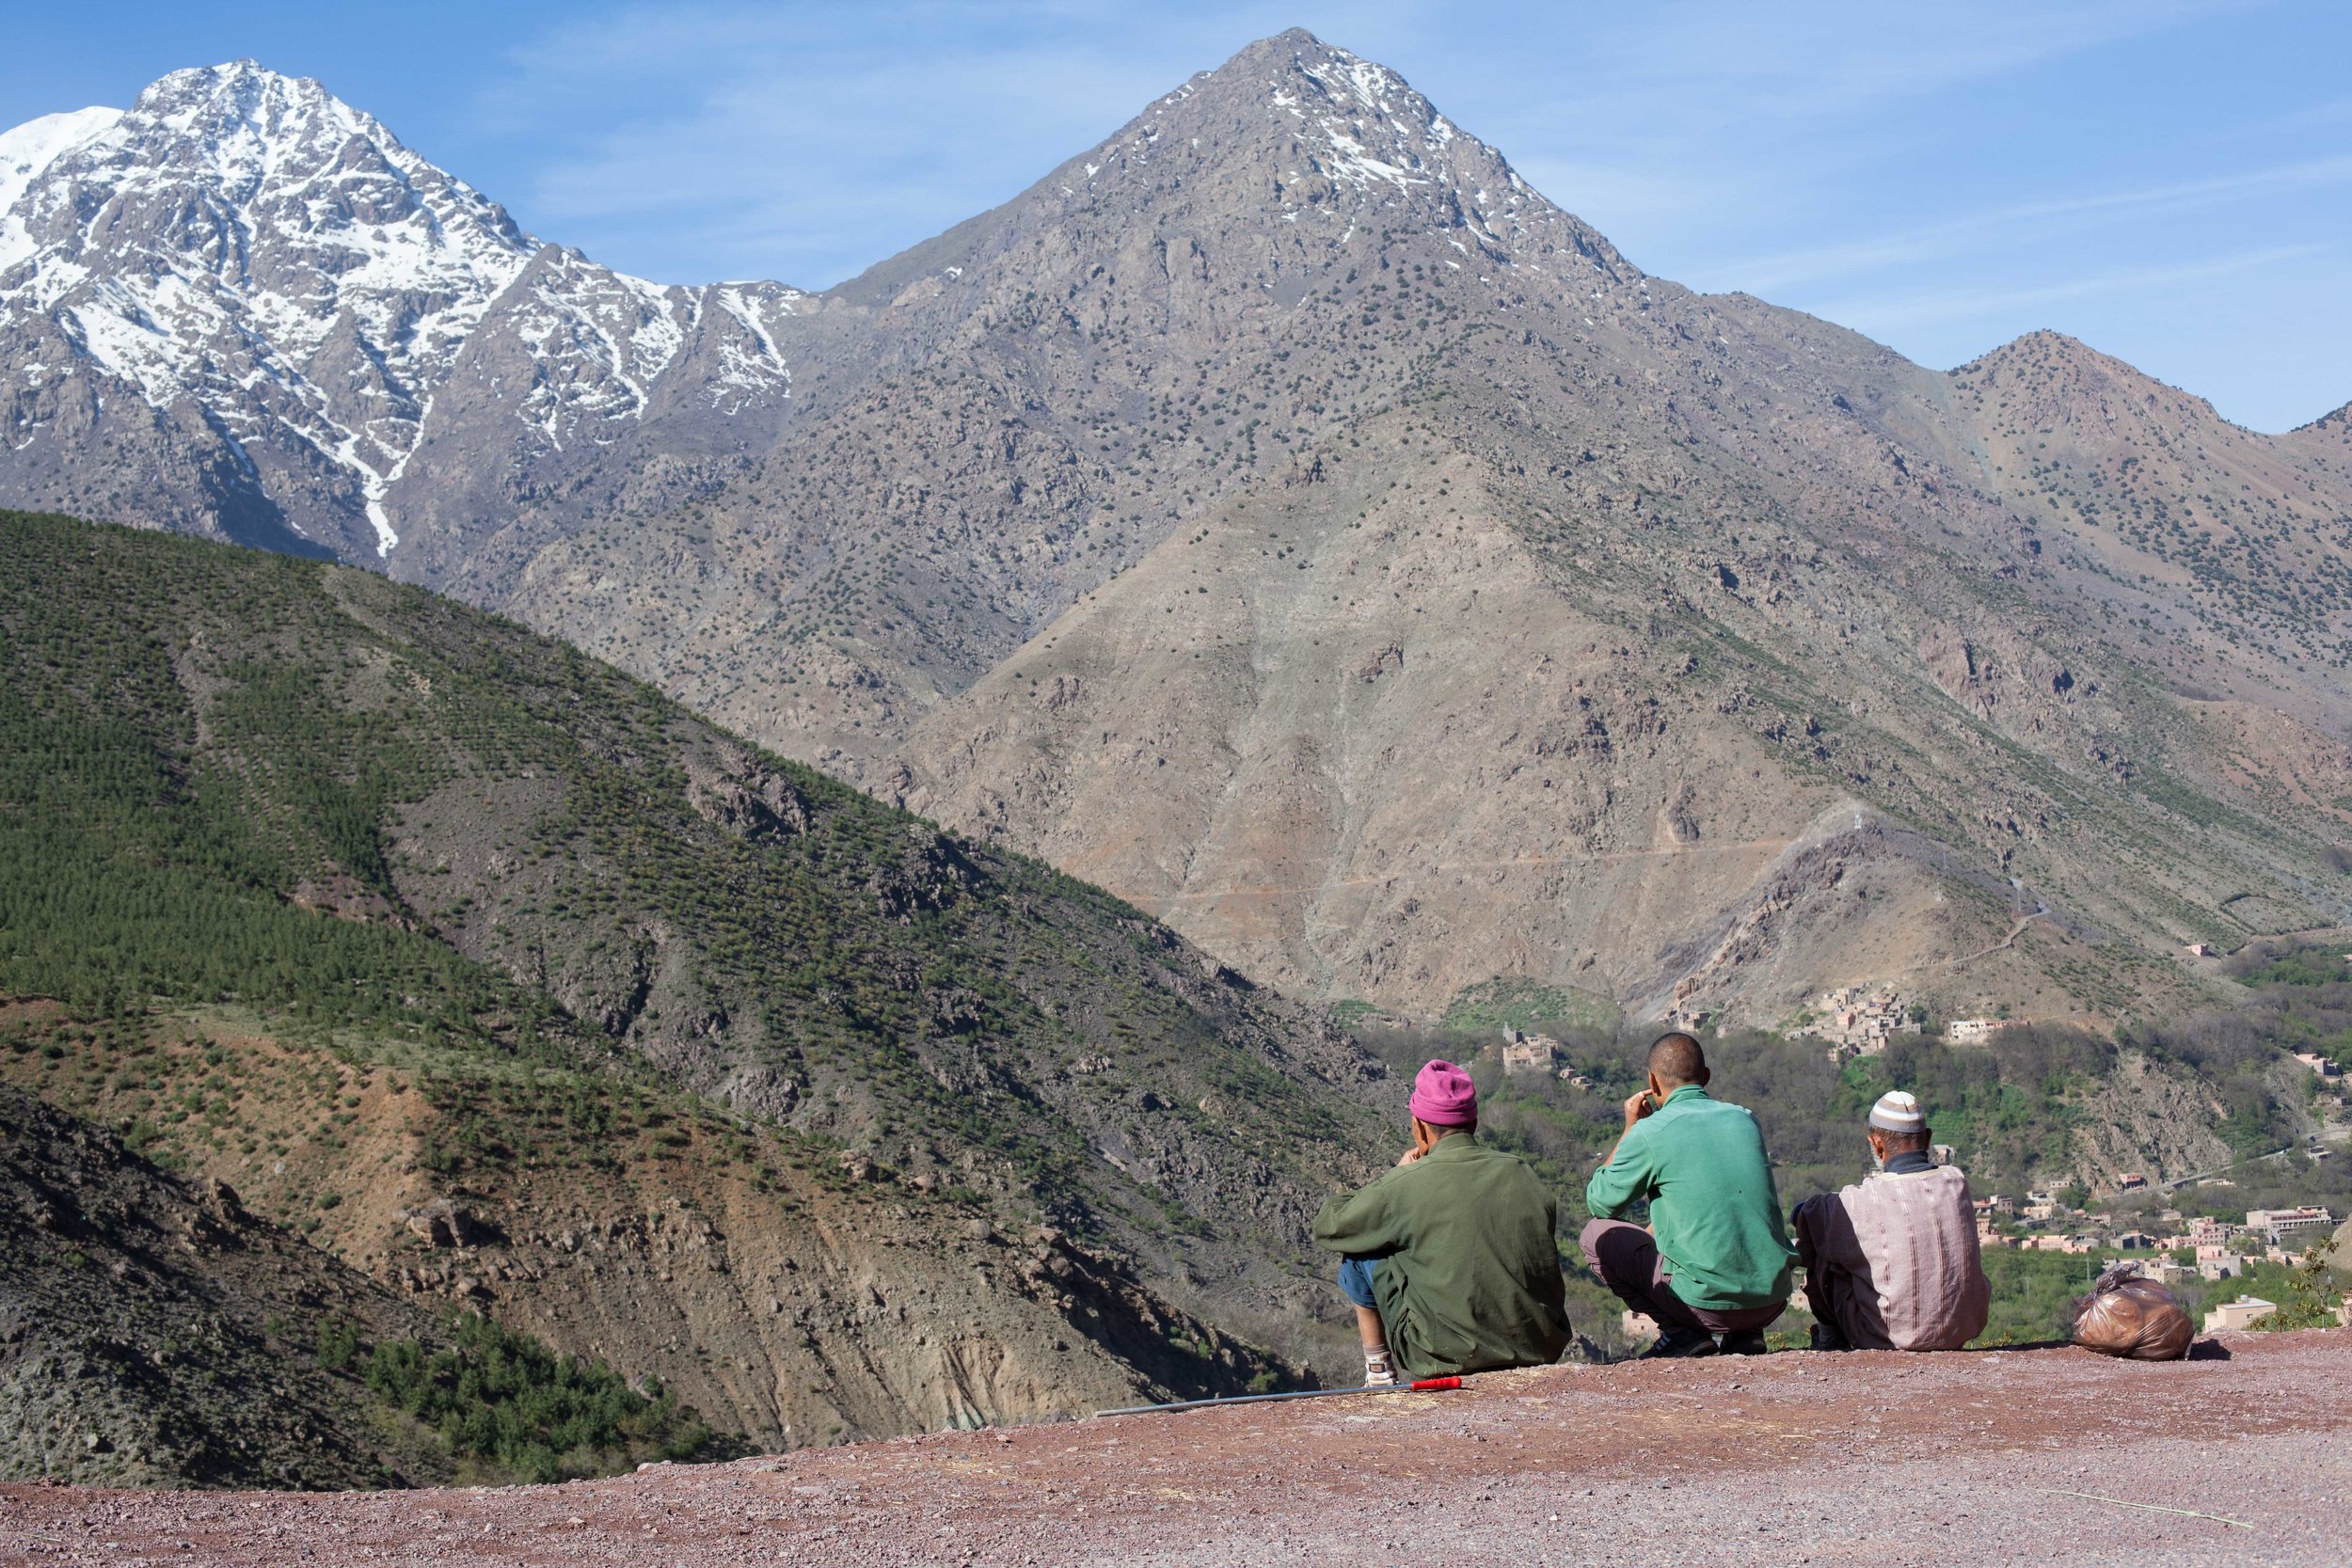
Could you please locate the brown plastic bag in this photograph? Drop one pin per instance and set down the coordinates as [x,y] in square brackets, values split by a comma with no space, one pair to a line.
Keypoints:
[2128,1316]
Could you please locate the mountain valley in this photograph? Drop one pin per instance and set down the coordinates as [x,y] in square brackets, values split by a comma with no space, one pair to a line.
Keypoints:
[809,864]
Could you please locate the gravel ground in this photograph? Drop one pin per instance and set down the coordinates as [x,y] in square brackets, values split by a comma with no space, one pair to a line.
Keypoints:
[1953,1461]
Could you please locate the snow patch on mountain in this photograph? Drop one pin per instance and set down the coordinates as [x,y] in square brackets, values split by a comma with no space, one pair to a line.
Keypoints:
[1377,128]
[748,372]
[249,241]
[28,151]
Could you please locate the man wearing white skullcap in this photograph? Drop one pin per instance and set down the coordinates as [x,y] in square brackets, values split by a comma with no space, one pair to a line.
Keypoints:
[1891,1263]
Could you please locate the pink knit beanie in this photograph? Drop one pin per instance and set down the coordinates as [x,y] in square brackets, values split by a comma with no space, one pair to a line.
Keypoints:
[1443,1096]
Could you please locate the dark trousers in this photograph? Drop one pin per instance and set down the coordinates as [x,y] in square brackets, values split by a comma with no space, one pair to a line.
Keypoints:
[1626,1260]
[1834,1292]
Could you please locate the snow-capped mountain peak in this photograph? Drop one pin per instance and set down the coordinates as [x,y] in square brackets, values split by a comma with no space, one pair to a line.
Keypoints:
[1381,146]
[243,244]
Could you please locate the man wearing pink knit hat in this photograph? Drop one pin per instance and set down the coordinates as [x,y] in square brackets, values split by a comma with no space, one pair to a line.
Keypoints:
[1450,1259]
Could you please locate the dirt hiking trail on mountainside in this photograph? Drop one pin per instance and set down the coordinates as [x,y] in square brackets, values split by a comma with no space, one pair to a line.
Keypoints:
[2045,1456]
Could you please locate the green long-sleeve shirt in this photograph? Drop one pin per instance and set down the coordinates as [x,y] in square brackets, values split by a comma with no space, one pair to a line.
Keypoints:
[1469,1273]
[1700,1165]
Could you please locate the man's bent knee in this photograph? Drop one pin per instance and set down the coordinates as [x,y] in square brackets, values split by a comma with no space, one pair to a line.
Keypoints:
[1805,1225]
[1355,1282]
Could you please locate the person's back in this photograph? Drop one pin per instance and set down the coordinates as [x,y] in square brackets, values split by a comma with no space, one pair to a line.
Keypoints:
[1892,1262]
[1457,1247]
[1916,1233]
[1701,1164]
[1714,1259]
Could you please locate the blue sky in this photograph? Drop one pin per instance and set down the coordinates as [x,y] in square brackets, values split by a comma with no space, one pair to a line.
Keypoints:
[2169,180]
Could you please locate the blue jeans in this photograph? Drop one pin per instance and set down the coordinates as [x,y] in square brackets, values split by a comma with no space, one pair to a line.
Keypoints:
[1356,1280]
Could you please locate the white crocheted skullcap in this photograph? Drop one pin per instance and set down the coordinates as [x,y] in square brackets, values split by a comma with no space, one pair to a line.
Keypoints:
[1898,1112]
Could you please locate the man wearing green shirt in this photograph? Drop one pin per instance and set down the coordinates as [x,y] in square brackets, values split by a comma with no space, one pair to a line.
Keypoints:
[1449,1258]
[1715,1260]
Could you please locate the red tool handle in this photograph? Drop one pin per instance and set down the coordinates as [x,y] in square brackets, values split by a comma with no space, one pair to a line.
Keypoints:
[1436,1384]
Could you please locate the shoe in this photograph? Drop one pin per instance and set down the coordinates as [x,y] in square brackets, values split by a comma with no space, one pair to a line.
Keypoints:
[1377,1372]
[1677,1343]
[1745,1341]
[1827,1337]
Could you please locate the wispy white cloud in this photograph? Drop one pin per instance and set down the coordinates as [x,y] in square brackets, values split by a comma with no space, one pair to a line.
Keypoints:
[1892,312]
[1733,62]
[2010,225]
[811,127]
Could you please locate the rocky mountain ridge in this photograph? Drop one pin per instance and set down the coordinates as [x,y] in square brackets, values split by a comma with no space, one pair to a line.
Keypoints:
[1466,601]
[145,1329]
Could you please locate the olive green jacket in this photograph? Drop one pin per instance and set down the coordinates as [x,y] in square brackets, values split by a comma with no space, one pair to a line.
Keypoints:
[1468,1275]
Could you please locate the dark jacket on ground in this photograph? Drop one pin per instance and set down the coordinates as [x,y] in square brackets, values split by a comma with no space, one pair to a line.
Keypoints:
[1469,1273]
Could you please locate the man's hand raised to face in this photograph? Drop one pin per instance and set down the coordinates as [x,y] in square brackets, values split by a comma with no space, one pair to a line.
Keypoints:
[1425,1139]
[1637,1106]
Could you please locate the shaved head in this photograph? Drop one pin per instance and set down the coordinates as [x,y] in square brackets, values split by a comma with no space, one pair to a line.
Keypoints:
[1677,1059]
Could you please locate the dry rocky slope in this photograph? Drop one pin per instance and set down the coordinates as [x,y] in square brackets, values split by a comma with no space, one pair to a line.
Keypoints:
[1462,601]
[2047,1457]
[516,986]
[143,1336]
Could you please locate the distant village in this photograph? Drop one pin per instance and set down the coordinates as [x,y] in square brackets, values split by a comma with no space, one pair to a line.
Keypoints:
[2201,1247]
[1863,1020]
[1858,1020]
[1537,1053]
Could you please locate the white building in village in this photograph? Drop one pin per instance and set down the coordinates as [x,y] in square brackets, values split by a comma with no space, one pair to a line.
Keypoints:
[2285,1227]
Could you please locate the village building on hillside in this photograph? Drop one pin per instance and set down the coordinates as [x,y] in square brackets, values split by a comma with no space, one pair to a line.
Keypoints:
[2242,1313]
[1859,1021]
[1528,1052]
[2079,1243]
[2279,1227]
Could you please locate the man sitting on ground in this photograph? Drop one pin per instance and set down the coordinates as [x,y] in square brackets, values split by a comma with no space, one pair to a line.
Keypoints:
[1892,1262]
[1449,1258]
[1714,1259]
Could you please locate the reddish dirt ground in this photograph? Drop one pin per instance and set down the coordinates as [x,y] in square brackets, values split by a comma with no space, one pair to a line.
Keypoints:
[2047,1456]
